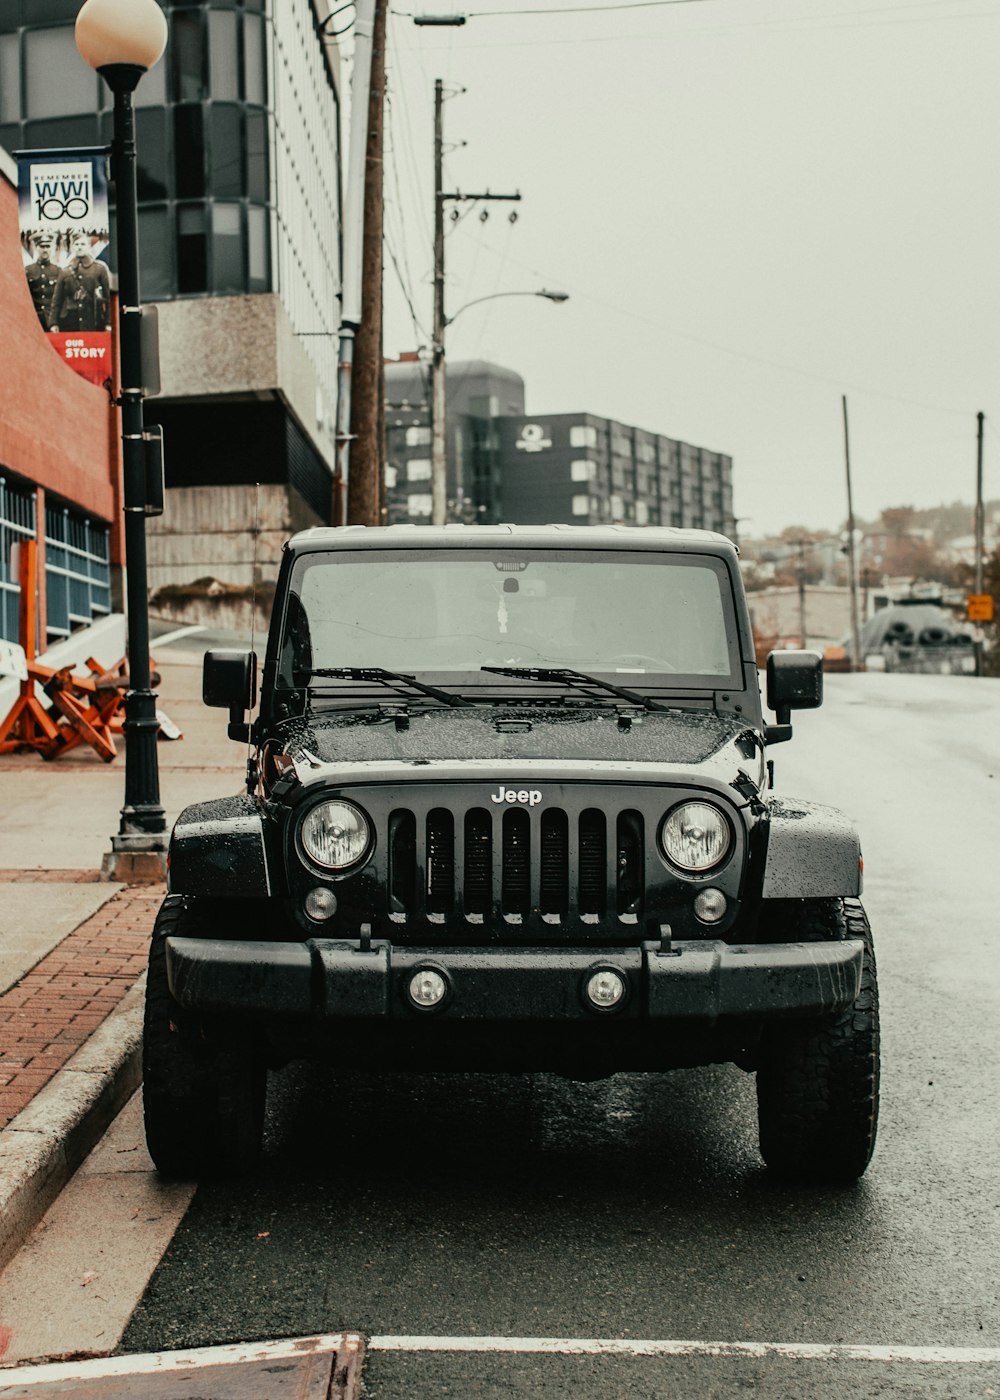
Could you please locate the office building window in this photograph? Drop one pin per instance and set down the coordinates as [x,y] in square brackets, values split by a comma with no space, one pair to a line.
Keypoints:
[223,56]
[583,470]
[188,49]
[256,156]
[152,160]
[583,435]
[258,250]
[227,249]
[57,82]
[254,61]
[417,436]
[192,249]
[419,469]
[189,152]
[419,505]
[581,505]
[10,79]
[157,264]
[226,151]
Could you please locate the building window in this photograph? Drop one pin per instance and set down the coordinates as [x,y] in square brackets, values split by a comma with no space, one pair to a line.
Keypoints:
[418,469]
[581,505]
[152,161]
[188,48]
[189,152]
[417,436]
[227,249]
[192,250]
[391,476]
[256,156]
[583,435]
[254,63]
[419,505]
[641,513]
[226,151]
[10,79]
[223,56]
[258,256]
[154,240]
[57,82]
[583,470]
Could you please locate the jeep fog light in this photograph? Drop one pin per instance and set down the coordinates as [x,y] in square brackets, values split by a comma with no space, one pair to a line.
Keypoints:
[709,906]
[696,836]
[605,989]
[427,987]
[334,834]
[320,904]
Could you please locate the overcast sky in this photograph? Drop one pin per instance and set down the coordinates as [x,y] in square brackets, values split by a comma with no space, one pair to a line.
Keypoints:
[756,206]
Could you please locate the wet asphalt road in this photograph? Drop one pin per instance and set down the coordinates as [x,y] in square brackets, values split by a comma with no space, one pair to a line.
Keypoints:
[638,1207]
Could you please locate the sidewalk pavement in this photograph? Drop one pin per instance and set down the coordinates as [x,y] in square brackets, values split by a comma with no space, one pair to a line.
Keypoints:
[73,949]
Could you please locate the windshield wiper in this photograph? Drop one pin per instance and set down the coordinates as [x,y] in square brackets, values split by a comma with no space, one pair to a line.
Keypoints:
[577,680]
[395,680]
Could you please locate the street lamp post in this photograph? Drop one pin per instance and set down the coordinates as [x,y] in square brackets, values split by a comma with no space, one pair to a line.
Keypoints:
[439,471]
[122,39]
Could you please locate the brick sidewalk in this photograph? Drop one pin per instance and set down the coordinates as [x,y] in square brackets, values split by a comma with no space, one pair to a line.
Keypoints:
[47,1016]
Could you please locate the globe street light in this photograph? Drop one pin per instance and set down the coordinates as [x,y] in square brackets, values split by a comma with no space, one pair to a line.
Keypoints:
[439,462]
[122,39]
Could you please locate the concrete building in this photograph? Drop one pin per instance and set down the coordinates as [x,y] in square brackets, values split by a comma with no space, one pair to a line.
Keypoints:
[239,194]
[575,468]
[480,395]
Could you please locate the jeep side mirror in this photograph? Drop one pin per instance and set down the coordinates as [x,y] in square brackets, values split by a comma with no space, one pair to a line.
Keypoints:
[229,681]
[794,682]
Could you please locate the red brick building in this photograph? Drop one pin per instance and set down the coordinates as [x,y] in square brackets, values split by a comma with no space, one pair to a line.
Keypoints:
[59,459]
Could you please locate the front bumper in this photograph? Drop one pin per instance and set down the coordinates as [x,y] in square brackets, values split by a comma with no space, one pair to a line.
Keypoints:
[330,981]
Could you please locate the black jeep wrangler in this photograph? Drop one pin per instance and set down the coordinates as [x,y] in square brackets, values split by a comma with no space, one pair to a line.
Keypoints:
[509,808]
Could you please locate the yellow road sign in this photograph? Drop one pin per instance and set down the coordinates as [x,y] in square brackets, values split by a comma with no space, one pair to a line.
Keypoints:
[979,607]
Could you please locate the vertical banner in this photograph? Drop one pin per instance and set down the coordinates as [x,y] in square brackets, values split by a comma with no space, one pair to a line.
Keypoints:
[63,204]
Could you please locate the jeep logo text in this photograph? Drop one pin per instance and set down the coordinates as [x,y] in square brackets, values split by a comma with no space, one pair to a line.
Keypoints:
[530,797]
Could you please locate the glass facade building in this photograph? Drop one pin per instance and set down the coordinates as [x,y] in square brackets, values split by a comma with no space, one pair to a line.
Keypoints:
[238,146]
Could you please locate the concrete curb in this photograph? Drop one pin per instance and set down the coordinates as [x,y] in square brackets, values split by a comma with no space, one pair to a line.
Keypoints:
[42,1147]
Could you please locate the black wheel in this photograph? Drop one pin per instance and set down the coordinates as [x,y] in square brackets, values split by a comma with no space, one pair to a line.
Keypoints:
[817,1081]
[203,1097]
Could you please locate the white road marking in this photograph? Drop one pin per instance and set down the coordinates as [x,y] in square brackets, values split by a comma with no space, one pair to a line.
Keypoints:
[174,636]
[248,1353]
[615,1346]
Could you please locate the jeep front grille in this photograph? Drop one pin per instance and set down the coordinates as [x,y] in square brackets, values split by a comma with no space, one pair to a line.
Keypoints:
[514,864]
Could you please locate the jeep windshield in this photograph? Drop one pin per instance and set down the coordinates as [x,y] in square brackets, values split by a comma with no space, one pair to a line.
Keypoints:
[658,619]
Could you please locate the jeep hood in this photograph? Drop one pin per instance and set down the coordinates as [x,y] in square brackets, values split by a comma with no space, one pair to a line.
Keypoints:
[509,735]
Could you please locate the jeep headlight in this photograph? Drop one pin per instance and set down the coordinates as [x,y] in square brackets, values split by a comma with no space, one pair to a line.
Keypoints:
[335,835]
[696,836]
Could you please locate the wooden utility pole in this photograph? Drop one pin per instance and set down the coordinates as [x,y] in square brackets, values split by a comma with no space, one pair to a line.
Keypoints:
[439,398]
[364,483]
[439,461]
[857,660]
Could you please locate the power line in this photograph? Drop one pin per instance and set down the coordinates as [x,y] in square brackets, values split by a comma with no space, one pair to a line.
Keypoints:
[740,354]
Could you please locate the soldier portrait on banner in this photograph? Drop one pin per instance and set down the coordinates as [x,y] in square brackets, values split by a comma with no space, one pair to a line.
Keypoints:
[64,225]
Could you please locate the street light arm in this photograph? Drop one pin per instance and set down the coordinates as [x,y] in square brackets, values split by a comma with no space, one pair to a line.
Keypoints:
[549,296]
